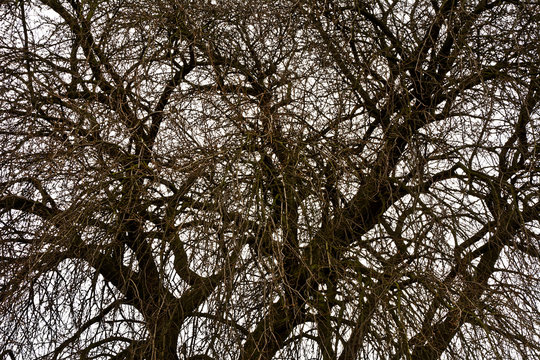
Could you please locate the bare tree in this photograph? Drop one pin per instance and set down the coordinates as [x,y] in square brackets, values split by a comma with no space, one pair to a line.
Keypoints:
[269,179]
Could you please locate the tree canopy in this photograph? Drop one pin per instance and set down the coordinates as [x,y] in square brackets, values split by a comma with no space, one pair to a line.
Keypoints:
[269,179]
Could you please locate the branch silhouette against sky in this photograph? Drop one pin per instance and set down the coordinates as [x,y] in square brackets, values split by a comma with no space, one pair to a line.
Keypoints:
[269,179]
